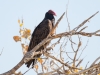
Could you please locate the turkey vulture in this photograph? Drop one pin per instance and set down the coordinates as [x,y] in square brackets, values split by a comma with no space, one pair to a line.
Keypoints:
[40,33]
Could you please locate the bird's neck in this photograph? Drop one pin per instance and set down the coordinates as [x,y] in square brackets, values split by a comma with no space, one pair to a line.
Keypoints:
[49,16]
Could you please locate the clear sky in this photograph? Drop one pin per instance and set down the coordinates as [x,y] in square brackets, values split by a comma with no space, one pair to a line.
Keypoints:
[33,12]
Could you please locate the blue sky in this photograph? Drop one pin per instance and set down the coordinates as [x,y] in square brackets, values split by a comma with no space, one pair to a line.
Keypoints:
[33,12]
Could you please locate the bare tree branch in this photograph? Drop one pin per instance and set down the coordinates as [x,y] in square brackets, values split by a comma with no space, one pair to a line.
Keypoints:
[95,61]
[29,55]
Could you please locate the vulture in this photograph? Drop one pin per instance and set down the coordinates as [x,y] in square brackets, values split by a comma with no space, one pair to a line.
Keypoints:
[40,33]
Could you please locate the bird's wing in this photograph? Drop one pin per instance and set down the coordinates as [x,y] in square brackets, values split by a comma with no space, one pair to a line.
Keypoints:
[40,33]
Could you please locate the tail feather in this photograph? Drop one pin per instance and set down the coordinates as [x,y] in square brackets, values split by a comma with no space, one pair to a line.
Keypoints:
[29,63]
[33,61]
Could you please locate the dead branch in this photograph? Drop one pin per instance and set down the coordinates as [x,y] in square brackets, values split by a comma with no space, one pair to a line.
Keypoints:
[76,52]
[86,70]
[1,52]
[80,25]
[76,33]
[95,62]
[54,28]
[46,54]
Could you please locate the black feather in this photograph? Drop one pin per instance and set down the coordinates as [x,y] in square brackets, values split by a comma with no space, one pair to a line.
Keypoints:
[41,32]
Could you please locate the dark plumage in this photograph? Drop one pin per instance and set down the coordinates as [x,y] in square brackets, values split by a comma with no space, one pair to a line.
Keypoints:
[41,32]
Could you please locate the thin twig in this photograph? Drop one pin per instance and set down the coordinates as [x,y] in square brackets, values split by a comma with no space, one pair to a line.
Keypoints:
[95,61]
[86,70]
[1,52]
[83,49]
[86,64]
[76,52]
[83,28]
[46,54]
[79,62]
[80,25]
[54,28]
[68,56]
[67,15]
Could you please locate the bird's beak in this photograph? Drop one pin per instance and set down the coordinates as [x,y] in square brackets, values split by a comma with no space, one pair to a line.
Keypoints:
[54,14]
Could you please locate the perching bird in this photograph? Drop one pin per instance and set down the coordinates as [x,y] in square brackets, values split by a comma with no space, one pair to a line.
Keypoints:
[41,32]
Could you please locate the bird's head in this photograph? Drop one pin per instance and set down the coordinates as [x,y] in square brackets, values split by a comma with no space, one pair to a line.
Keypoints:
[52,12]
[50,15]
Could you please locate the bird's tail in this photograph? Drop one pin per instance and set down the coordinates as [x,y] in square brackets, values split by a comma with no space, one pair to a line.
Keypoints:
[29,63]
[33,61]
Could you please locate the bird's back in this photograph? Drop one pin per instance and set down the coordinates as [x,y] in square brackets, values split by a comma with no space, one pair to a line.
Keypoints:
[41,32]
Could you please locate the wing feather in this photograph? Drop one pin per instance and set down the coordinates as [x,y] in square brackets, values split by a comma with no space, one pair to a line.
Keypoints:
[41,32]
